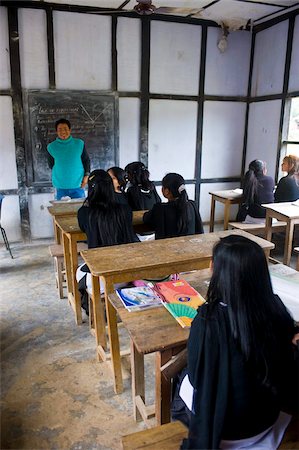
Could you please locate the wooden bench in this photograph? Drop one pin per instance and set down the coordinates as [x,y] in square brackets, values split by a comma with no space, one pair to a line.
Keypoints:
[166,437]
[296,250]
[170,436]
[257,228]
[56,251]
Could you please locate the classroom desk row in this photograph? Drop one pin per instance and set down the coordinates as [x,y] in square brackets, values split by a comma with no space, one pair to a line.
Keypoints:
[67,229]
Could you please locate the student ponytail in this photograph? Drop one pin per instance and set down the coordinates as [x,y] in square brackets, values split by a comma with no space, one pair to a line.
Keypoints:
[251,182]
[138,175]
[176,185]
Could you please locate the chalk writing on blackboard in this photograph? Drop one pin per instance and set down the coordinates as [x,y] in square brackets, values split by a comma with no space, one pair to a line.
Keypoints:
[93,117]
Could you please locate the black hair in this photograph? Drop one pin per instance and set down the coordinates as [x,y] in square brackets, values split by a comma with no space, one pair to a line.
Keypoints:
[251,182]
[138,175]
[121,177]
[176,185]
[259,321]
[60,121]
[109,217]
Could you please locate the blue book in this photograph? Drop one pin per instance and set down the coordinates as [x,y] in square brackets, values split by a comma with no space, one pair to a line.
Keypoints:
[137,298]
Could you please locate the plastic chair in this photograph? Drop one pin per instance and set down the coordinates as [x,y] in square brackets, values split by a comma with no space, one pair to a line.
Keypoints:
[2,229]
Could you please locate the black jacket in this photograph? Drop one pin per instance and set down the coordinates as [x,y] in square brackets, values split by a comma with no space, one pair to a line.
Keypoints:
[287,190]
[140,199]
[229,402]
[264,195]
[163,218]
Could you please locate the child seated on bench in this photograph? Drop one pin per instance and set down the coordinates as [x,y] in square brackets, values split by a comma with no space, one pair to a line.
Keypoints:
[257,189]
[104,221]
[241,372]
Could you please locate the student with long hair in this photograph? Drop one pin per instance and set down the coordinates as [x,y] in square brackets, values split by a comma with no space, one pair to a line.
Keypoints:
[119,180]
[104,221]
[241,366]
[288,187]
[257,189]
[179,216]
[141,192]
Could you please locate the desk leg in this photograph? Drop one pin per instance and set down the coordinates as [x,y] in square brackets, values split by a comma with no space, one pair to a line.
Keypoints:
[113,339]
[268,227]
[163,388]
[76,294]
[98,315]
[137,368]
[212,214]
[226,214]
[288,243]
[67,263]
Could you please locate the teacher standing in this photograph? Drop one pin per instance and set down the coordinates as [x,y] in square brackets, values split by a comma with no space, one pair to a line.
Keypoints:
[69,162]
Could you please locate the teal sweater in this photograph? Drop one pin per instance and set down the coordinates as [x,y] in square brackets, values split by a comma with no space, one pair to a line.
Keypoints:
[68,171]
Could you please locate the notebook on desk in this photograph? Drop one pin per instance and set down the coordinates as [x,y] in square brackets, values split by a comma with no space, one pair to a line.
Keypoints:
[180,299]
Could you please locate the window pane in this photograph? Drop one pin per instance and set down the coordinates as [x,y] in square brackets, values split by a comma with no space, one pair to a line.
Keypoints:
[293,149]
[294,121]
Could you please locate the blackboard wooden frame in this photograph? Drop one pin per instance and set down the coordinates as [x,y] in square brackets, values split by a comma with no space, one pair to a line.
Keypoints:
[84,109]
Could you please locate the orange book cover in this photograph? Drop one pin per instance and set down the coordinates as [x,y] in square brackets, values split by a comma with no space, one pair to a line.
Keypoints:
[180,299]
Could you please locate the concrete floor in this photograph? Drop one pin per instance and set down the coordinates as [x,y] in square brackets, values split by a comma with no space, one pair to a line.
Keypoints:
[54,393]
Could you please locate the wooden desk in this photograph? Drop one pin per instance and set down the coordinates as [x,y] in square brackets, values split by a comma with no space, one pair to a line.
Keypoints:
[124,263]
[285,212]
[228,197]
[59,210]
[155,331]
[65,218]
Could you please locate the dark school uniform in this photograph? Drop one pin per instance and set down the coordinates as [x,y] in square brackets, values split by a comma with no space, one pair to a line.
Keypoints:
[163,219]
[287,190]
[141,199]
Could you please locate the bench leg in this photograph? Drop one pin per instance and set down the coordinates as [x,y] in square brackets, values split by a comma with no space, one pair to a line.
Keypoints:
[137,367]
[60,277]
[163,388]
[288,243]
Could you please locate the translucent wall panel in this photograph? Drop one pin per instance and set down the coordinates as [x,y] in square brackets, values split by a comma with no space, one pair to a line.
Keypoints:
[269,60]
[223,134]
[8,167]
[82,51]
[33,49]
[175,56]
[232,79]
[263,127]
[128,130]
[205,201]
[10,218]
[294,70]
[128,54]
[172,137]
[41,223]
[4,50]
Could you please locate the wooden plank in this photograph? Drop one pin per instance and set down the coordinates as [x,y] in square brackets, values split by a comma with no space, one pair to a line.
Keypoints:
[165,437]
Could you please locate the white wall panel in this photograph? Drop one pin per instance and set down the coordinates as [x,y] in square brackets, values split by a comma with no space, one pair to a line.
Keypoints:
[11,219]
[175,56]
[269,60]
[205,201]
[4,50]
[128,130]
[33,48]
[172,137]
[263,127]
[190,188]
[128,54]
[82,51]
[232,79]
[294,70]
[223,134]
[41,223]
[8,167]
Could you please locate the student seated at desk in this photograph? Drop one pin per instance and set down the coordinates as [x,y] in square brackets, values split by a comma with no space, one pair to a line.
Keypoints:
[257,189]
[179,216]
[119,180]
[241,371]
[288,187]
[104,221]
[141,191]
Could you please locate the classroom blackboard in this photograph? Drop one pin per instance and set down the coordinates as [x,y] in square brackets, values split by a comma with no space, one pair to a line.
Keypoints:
[93,117]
